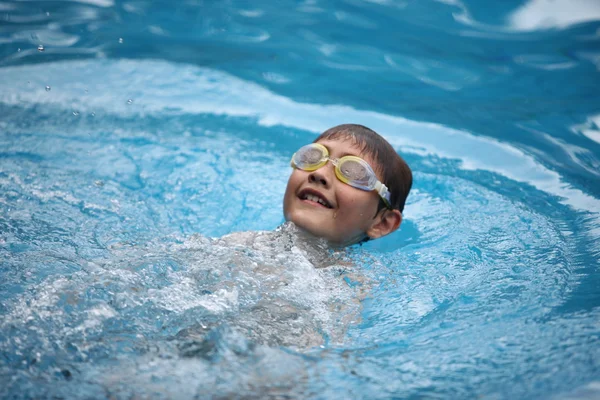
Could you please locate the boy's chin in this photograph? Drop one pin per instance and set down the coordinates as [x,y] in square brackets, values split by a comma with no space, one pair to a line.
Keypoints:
[310,224]
[319,228]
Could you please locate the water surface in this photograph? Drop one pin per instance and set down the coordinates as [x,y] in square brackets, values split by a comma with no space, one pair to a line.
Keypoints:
[141,132]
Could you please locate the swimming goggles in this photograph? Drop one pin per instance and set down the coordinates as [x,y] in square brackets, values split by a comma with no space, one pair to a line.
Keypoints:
[351,170]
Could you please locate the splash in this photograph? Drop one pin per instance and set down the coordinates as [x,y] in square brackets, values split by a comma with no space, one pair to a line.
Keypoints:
[197,299]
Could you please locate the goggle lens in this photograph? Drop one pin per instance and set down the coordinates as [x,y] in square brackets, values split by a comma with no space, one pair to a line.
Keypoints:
[310,158]
[356,172]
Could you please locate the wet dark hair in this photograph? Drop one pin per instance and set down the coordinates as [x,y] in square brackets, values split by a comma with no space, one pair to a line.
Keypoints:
[396,174]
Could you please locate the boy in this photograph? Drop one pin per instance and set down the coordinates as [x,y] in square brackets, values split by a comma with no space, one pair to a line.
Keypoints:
[286,287]
[347,187]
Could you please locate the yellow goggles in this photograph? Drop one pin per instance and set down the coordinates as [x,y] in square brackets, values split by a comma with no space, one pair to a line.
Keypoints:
[351,170]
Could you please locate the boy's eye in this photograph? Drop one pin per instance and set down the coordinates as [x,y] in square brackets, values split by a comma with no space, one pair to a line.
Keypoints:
[353,170]
[312,156]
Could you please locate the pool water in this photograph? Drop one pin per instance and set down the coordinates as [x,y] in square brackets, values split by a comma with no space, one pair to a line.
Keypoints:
[135,135]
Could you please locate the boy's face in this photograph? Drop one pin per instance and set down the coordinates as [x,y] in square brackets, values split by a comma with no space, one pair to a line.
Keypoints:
[352,210]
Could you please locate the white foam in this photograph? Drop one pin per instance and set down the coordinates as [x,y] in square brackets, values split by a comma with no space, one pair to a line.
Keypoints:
[96,316]
[531,16]
[590,128]
[181,296]
[553,14]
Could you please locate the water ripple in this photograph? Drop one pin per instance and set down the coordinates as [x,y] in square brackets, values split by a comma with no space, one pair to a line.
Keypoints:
[226,95]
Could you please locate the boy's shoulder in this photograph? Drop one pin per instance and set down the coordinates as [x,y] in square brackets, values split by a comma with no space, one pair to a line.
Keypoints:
[245,239]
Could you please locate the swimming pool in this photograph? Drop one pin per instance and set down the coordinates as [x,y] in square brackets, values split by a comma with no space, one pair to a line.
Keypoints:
[140,129]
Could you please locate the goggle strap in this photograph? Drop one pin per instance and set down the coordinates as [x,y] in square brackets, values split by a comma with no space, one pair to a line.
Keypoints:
[383,192]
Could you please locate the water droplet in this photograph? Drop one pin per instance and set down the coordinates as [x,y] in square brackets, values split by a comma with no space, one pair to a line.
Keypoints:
[75,113]
[93,114]
[120,40]
[19,50]
[41,47]
[48,88]
[129,101]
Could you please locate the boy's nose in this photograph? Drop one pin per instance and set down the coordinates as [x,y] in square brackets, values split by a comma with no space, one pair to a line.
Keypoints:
[318,177]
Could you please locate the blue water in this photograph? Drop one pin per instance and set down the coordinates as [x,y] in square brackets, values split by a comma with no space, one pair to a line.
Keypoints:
[144,131]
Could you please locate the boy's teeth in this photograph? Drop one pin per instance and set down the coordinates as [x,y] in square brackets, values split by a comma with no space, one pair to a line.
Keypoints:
[316,199]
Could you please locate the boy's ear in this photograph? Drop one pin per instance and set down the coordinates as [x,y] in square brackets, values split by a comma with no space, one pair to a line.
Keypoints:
[385,224]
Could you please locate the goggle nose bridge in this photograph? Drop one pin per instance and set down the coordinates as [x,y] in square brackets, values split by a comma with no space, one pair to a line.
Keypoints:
[325,159]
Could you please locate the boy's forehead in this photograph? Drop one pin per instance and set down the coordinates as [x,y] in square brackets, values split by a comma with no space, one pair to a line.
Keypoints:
[343,144]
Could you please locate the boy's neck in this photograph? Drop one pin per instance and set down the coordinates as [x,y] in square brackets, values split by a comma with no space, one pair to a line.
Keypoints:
[319,251]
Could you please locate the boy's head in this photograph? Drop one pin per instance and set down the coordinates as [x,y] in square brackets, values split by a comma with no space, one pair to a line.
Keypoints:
[346,204]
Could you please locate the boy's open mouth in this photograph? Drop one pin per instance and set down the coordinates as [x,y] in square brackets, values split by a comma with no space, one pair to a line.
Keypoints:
[314,196]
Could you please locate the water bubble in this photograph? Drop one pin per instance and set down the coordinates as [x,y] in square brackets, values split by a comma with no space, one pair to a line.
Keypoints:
[75,113]
[67,374]
[93,114]
[129,101]
[85,90]
[48,88]
[41,47]
[19,50]
[120,40]
[47,13]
